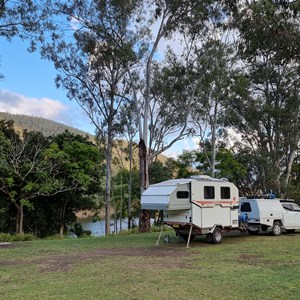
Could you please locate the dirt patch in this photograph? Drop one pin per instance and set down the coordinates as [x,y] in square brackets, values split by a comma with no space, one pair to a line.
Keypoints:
[64,263]
[253,260]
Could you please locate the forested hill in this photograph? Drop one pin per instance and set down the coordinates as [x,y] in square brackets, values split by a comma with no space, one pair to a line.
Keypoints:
[49,128]
[45,126]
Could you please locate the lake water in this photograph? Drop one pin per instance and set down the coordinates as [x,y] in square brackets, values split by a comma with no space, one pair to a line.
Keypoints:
[98,228]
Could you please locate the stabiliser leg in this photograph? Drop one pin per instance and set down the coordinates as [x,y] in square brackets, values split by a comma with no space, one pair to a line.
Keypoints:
[162,228]
[189,238]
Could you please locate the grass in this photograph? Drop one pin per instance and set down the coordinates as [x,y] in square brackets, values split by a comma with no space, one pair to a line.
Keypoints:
[131,267]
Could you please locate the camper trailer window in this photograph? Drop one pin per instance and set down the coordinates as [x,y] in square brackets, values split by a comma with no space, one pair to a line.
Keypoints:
[183,195]
[225,192]
[245,207]
[209,192]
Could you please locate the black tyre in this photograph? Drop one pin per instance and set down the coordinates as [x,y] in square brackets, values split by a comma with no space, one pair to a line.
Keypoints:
[290,230]
[253,232]
[276,229]
[217,236]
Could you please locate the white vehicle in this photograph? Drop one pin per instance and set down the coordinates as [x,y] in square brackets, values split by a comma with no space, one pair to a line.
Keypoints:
[270,214]
[195,206]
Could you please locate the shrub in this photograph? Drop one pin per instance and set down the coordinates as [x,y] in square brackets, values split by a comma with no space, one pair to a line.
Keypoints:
[77,229]
[6,237]
[22,237]
[134,230]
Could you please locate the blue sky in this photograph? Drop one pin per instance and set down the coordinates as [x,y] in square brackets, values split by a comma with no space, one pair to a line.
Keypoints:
[28,88]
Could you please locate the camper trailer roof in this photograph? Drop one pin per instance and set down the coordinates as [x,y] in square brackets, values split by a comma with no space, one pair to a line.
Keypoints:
[187,180]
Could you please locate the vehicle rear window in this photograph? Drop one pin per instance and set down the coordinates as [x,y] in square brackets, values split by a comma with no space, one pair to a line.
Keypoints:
[295,207]
[286,206]
[209,192]
[183,194]
[225,192]
[245,207]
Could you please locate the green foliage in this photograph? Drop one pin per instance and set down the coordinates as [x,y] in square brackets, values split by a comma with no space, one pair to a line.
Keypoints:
[227,165]
[264,106]
[77,229]
[46,180]
[134,230]
[270,27]
[160,172]
[6,237]
[120,190]
[186,164]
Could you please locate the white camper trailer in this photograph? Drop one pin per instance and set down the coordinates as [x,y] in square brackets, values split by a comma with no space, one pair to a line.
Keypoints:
[195,206]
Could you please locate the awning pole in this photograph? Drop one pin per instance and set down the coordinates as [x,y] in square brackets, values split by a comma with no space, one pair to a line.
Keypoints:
[190,233]
[162,228]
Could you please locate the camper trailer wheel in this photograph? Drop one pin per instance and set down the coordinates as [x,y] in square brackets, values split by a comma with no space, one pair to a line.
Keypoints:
[217,235]
[276,229]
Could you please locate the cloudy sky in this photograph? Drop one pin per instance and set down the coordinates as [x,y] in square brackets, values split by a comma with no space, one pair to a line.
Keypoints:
[28,88]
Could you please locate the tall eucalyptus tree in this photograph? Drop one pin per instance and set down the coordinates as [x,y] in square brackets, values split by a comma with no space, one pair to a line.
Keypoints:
[268,113]
[93,64]
[109,56]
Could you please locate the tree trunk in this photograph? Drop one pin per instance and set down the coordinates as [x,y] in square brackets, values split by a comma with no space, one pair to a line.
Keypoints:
[214,141]
[21,219]
[61,229]
[289,166]
[130,184]
[17,219]
[108,182]
[213,152]
[144,224]
[62,218]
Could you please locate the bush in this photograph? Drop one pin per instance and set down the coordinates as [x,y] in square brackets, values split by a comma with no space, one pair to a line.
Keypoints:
[77,229]
[6,237]
[134,230]
[158,228]
[23,237]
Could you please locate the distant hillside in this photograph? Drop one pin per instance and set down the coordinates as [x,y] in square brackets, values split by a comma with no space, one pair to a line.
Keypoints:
[45,126]
[49,128]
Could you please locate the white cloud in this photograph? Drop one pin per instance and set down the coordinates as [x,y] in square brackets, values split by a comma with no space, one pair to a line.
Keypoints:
[187,144]
[44,107]
[41,107]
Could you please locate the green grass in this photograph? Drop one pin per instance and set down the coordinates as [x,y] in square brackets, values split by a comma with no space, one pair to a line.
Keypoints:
[242,267]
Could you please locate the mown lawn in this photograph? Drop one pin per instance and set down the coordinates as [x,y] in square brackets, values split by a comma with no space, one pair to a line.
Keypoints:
[132,267]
